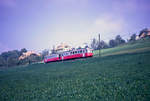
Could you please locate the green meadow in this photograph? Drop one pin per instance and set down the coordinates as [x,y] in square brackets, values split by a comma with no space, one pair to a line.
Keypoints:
[119,74]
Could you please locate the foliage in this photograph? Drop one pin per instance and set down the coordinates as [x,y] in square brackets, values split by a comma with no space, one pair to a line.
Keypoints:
[53,51]
[112,78]
[133,37]
[117,41]
[94,44]
[23,50]
[102,45]
[2,61]
[112,43]
[11,58]
[44,53]
[34,58]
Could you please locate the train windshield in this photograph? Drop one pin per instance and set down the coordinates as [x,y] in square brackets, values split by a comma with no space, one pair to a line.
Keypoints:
[89,50]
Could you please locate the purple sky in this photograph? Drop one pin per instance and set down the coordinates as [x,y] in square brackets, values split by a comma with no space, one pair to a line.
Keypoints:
[40,24]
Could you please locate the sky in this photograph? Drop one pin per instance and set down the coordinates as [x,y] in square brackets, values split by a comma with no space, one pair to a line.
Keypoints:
[40,24]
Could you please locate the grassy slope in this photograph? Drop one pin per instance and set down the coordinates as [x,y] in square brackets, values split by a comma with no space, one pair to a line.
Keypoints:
[121,77]
[132,47]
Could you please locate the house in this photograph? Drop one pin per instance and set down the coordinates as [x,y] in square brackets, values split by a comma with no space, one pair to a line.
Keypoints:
[137,37]
[63,47]
[144,33]
[27,54]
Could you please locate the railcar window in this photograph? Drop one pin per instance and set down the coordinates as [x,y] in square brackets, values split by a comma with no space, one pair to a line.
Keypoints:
[80,51]
[73,52]
[67,53]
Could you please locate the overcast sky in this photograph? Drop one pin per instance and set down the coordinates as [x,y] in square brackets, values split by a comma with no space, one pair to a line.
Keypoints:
[40,24]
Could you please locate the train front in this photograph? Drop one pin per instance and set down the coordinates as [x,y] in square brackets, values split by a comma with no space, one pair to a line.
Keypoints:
[89,52]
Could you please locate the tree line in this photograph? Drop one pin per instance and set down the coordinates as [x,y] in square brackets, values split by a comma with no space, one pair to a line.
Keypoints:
[11,58]
[118,40]
[95,44]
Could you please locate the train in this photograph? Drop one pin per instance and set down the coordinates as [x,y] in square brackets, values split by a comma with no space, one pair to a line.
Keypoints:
[67,55]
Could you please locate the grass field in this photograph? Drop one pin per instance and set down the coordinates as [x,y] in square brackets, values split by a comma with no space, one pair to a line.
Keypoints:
[132,47]
[120,74]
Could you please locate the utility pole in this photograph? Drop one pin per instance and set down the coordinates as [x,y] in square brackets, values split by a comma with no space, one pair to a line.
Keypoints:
[99,43]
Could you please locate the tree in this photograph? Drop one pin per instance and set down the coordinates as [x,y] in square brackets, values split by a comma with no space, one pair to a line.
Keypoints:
[119,40]
[33,58]
[10,57]
[44,53]
[2,61]
[133,37]
[103,44]
[94,44]
[112,43]
[23,61]
[5,55]
[11,61]
[23,50]
[53,51]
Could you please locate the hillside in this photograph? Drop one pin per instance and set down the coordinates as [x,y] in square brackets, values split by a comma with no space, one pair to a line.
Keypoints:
[138,46]
[120,74]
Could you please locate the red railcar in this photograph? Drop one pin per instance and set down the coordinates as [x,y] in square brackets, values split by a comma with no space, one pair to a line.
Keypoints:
[73,54]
